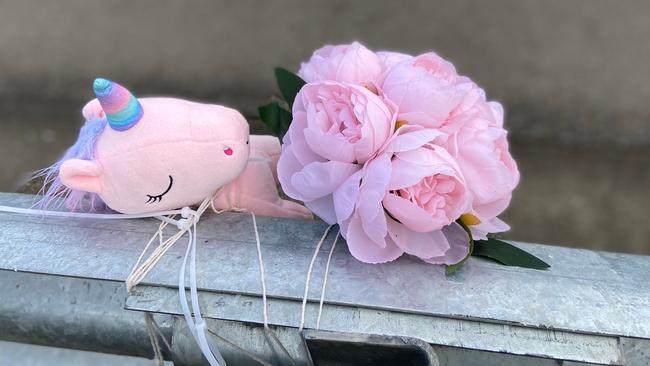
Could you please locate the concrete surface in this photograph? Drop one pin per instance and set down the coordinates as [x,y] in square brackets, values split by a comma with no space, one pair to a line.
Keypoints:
[575,71]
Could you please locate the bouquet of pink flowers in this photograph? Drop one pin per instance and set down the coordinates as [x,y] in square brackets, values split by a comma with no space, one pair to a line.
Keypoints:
[403,153]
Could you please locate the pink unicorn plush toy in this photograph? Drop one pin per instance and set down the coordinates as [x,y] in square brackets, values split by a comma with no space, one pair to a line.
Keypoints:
[139,155]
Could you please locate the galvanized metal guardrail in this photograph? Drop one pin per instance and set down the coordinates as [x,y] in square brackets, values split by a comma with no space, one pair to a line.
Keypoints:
[61,285]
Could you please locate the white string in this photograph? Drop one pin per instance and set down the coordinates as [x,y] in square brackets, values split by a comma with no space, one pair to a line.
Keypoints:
[146,247]
[156,328]
[198,327]
[141,271]
[311,267]
[200,324]
[240,349]
[168,220]
[153,338]
[262,277]
[189,217]
[85,215]
[268,331]
[327,270]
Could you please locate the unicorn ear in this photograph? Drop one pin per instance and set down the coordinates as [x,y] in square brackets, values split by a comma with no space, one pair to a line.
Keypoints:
[81,175]
[93,110]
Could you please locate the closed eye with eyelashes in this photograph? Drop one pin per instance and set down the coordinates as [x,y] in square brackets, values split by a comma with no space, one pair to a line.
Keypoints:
[158,197]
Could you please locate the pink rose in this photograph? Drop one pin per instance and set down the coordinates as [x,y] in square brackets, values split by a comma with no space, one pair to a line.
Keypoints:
[425,90]
[336,128]
[351,63]
[407,203]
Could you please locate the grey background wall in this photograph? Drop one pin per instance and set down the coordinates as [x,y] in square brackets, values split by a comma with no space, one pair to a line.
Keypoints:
[578,70]
[574,77]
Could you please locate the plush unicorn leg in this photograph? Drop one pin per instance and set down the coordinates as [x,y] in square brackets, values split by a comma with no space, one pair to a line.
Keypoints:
[255,189]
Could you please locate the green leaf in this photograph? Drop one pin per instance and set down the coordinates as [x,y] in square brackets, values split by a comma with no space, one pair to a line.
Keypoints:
[270,115]
[452,268]
[286,118]
[289,84]
[276,118]
[507,254]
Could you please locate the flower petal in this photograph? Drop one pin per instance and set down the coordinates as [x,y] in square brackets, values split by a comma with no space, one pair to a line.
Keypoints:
[331,147]
[458,245]
[345,197]
[365,249]
[423,245]
[494,208]
[405,211]
[412,140]
[373,189]
[323,208]
[494,225]
[288,165]
[406,173]
[317,179]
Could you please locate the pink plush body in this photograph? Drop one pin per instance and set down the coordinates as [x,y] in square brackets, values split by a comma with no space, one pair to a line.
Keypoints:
[255,189]
[176,154]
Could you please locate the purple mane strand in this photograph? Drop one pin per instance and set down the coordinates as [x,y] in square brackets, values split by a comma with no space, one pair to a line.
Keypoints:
[54,192]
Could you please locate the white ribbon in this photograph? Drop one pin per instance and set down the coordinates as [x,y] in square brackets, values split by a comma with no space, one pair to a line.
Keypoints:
[197,324]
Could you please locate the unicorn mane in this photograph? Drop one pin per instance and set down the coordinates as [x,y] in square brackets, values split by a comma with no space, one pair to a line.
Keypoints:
[54,192]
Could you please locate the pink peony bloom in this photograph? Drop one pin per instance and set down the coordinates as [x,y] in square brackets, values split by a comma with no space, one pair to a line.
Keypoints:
[336,128]
[407,203]
[427,190]
[388,60]
[479,144]
[397,187]
[350,63]
[471,129]
[425,90]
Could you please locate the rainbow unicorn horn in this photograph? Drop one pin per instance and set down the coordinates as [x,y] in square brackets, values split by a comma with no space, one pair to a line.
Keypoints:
[122,108]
